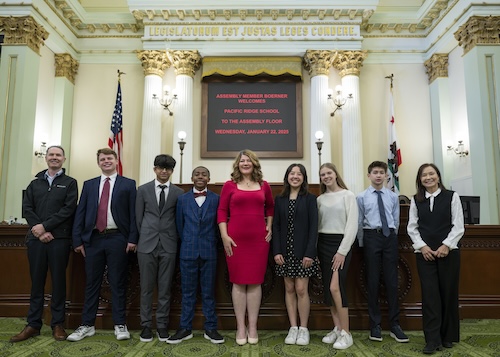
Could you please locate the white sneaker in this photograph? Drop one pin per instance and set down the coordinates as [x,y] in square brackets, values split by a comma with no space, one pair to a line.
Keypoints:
[81,332]
[291,338]
[343,341]
[331,336]
[303,336]
[121,332]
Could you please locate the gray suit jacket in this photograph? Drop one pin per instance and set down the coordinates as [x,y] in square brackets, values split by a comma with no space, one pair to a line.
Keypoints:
[153,225]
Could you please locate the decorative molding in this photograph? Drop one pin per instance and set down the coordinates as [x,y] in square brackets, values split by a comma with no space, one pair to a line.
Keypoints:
[82,24]
[66,66]
[318,62]
[478,30]
[185,62]
[437,66]
[349,62]
[154,62]
[23,30]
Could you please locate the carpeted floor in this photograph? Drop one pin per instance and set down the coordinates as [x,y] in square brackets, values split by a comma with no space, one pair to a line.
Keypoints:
[479,338]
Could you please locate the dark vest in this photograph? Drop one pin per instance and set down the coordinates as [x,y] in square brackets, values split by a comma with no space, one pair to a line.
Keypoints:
[434,226]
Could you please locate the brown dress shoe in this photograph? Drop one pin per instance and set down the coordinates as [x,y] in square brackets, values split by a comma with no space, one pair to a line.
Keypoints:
[59,333]
[26,333]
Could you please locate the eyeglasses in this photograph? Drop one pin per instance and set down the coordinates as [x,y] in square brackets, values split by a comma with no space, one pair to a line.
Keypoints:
[163,168]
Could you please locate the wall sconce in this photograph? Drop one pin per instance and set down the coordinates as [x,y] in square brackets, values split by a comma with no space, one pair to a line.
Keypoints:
[167,100]
[459,150]
[338,101]
[319,144]
[181,135]
[42,151]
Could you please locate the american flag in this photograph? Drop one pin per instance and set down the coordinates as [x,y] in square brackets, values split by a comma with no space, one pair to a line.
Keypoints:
[115,140]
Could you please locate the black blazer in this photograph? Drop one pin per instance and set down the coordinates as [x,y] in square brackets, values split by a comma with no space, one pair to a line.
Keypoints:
[305,222]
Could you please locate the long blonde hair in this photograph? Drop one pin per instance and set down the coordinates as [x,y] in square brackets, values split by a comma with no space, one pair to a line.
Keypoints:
[339,180]
[236,175]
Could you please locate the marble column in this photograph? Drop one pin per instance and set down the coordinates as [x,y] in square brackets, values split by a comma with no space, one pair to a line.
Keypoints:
[349,64]
[66,70]
[481,44]
[186,63]
[19,70]
[154,64]
[441,121]
[318,63]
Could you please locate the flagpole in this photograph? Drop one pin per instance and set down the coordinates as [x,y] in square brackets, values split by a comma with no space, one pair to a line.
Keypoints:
[120,75]
[115,140]
[391,77]
[394,154]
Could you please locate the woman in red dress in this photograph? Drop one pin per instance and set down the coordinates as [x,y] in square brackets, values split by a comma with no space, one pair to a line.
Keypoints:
[245,218]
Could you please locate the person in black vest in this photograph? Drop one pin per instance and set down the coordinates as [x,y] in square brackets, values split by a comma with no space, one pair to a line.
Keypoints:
[436,225]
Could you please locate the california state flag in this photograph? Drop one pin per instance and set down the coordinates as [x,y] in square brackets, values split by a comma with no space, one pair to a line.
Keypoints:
[394,158]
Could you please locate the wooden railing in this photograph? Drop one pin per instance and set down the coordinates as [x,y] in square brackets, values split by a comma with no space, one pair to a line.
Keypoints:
[479,282]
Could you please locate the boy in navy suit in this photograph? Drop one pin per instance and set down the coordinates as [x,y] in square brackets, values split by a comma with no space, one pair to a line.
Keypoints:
[196,220]
[104,232]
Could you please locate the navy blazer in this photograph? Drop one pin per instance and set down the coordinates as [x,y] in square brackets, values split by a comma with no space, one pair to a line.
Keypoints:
[305,223]
[122,209]
[197,226]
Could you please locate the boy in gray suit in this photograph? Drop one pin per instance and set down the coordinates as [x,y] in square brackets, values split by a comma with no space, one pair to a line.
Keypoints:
[156,251]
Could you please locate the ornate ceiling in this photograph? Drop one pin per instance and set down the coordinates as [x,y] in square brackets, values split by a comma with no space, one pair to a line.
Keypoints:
[118,18]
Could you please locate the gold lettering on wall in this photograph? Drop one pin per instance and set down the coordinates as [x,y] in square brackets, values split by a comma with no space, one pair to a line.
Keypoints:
[345,32]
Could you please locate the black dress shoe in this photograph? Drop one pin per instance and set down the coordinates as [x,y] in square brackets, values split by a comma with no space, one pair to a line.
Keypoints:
[431,348]
[447,344]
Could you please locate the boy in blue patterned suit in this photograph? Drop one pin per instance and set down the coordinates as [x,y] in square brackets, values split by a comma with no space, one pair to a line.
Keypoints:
[196,220]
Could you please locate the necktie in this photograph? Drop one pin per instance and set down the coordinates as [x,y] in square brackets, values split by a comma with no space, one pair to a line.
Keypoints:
[383,217]
[199,194]
[102,210]
[161,203]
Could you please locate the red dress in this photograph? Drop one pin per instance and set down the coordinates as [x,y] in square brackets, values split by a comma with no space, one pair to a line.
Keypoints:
[245,213]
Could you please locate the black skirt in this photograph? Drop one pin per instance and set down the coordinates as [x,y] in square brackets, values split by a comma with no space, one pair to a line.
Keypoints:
[328,244]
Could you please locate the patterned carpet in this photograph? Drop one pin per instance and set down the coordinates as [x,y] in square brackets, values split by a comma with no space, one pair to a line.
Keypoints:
[479,338]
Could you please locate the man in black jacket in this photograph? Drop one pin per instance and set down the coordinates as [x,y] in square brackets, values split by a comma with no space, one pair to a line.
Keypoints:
[49,206]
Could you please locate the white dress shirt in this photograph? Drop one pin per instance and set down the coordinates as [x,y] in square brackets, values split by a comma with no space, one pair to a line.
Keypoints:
[457,221]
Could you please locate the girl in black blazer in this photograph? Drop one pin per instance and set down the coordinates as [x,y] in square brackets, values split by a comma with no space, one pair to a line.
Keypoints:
[295,230]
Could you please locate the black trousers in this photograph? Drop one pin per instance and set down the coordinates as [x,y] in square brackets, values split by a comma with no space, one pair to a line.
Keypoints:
[439,283]
[42,257]
[381,253]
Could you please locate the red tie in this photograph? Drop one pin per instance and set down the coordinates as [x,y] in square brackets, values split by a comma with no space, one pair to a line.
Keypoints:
[102,210]
[199,194]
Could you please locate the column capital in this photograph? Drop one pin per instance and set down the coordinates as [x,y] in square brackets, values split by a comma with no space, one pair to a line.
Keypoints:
[66,66]
[437,66]
[318,62]
[154,62]
[478,30]
[349,62]
[23,30]
[185,62]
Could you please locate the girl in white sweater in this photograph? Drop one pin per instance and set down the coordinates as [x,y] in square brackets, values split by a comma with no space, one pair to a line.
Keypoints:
[338,225]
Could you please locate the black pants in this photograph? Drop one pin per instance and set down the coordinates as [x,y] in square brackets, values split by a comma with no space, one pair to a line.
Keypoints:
[42,257]
[381,252]
[439,283]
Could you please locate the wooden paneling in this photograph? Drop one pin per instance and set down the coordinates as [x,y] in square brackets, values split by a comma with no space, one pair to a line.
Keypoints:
[479,282]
